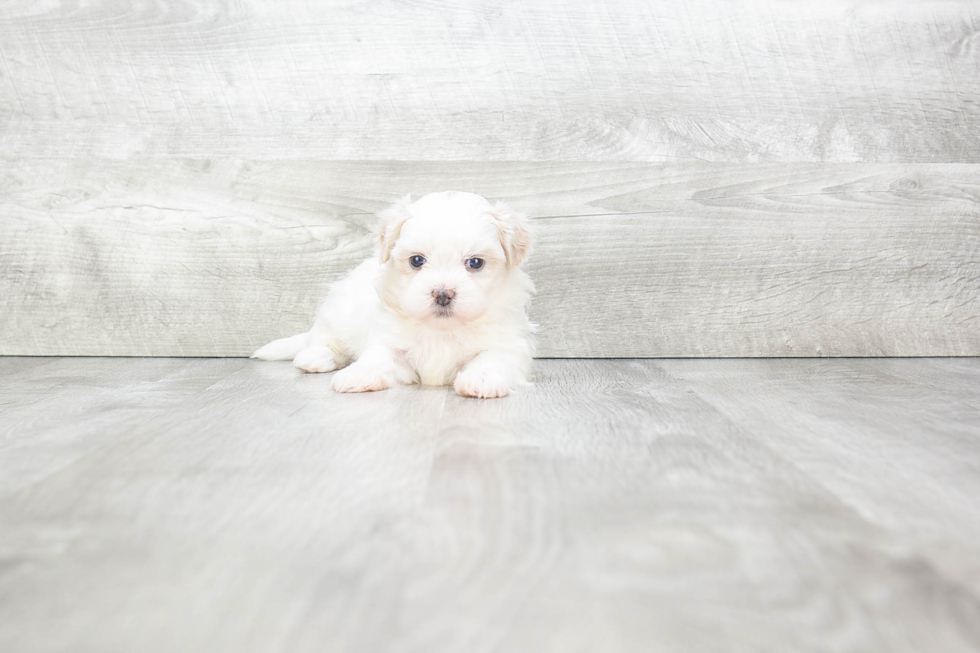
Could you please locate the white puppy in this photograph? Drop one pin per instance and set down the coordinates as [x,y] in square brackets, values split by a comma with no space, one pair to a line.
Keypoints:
[443,301]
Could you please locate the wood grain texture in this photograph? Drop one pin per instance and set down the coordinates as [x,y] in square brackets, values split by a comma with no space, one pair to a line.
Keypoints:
[866,456]
[56,411]
[707,178]
[185,258]
[819,505]
[492,80]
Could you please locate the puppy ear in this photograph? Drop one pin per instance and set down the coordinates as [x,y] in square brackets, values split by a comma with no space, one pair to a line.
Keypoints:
[390,223]
[514,234]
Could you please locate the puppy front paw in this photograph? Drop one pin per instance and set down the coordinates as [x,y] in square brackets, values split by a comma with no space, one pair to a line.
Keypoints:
[481,384]
[314,360]
[361,378]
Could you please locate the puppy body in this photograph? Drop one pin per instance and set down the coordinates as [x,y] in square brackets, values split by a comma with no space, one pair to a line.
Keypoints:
[443,301]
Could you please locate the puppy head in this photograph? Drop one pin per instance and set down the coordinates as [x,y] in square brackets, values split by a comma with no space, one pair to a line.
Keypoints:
[447,256]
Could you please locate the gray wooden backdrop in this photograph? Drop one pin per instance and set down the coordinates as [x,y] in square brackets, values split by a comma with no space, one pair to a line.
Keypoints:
[706,178]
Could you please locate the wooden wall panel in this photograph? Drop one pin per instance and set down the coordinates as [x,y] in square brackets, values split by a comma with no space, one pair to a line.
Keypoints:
[492,80]
[707,178]
[632,259]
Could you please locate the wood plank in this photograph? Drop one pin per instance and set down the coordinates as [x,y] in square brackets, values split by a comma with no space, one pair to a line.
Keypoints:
[186,258]
[615,505]
[917,476]
[335,468]
[56,411]
[492,80]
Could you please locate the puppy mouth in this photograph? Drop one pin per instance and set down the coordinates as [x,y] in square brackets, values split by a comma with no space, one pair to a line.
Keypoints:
[442,311]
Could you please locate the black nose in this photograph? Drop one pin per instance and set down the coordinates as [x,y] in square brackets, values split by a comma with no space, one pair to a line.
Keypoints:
[443,296]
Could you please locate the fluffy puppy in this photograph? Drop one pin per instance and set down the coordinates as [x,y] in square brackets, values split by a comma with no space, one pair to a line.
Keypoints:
[443,301]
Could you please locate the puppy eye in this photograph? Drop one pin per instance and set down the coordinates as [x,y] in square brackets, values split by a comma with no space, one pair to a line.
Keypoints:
[474,263]
[417,261]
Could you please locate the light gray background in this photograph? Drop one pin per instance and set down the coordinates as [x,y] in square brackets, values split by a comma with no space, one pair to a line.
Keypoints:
[706,178]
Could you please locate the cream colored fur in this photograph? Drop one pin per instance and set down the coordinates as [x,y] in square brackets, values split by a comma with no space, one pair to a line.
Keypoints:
[382,323]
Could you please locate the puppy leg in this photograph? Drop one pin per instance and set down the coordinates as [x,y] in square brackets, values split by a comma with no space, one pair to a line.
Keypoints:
[322,352]
[374,370]
[492,374]
[283,349]
[315,359]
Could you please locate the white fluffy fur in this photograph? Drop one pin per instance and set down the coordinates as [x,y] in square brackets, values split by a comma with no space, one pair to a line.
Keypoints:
[381,324]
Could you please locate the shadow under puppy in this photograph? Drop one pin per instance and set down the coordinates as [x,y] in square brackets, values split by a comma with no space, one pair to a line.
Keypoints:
[443,301]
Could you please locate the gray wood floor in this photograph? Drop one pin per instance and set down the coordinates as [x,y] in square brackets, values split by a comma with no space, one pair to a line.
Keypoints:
[625,505]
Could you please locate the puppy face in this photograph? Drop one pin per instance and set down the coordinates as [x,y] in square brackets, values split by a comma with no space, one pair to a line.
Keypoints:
[447,256]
